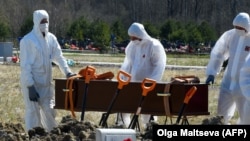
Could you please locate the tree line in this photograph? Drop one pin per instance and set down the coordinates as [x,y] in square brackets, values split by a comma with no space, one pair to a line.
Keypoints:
[184,18]
[100,32]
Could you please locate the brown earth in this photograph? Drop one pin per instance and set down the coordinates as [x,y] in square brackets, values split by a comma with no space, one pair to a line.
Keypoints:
[71,129]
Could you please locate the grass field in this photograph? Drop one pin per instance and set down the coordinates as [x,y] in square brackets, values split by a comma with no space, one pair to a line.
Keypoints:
[12,106]
[172,59]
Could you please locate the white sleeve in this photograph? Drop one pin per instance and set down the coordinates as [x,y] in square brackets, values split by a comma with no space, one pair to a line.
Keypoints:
[59,59]
[219,54]
[127,63]
[158,59]
[27,58]
[245,78]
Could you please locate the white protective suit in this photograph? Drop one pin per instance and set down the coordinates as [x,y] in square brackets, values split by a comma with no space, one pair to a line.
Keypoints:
[245,88]
[36,56]
[145,59]
[230,45]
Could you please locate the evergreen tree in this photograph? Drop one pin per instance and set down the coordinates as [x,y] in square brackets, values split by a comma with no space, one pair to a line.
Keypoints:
[79,29]
[100,33]
[4,31]
[27,26]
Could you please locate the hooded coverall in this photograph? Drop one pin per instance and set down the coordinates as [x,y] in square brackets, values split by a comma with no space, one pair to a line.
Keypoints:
[144,59]
[230,45]
[36,55]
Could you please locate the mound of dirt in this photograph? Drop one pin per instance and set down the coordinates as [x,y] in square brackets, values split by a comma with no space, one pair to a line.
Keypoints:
[12,132]
[71,129]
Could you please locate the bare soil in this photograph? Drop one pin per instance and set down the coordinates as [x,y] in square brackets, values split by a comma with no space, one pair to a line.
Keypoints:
[71,129]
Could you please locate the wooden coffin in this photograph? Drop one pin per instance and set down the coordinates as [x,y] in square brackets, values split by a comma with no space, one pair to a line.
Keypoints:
[101,92]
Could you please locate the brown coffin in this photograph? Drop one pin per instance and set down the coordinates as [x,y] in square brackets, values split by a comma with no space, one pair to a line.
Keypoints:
[101,92]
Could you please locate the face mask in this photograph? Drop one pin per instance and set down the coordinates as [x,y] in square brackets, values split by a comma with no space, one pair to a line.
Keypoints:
[44,27]
[240,32]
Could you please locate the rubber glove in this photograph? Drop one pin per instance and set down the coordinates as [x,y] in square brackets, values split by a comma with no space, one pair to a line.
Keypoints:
[33,95]
[210,78]
[70,75]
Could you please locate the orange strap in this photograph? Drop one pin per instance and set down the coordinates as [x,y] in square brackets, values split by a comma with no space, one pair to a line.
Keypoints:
[66,94]
[88,74]
[69,94]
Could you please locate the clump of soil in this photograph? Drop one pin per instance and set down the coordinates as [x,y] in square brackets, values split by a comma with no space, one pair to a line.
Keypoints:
[12,132]
[217,120]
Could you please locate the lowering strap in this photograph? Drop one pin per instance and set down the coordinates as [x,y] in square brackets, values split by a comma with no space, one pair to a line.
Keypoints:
[69,94]
[81,75]
[185,79]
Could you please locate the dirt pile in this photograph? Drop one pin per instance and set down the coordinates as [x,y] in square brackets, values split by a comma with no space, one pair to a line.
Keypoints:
[71,129]
[12,132]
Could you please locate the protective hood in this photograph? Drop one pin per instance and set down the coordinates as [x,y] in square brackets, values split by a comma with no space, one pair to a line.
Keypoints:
[242,20]
[38,15]
[137,30]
